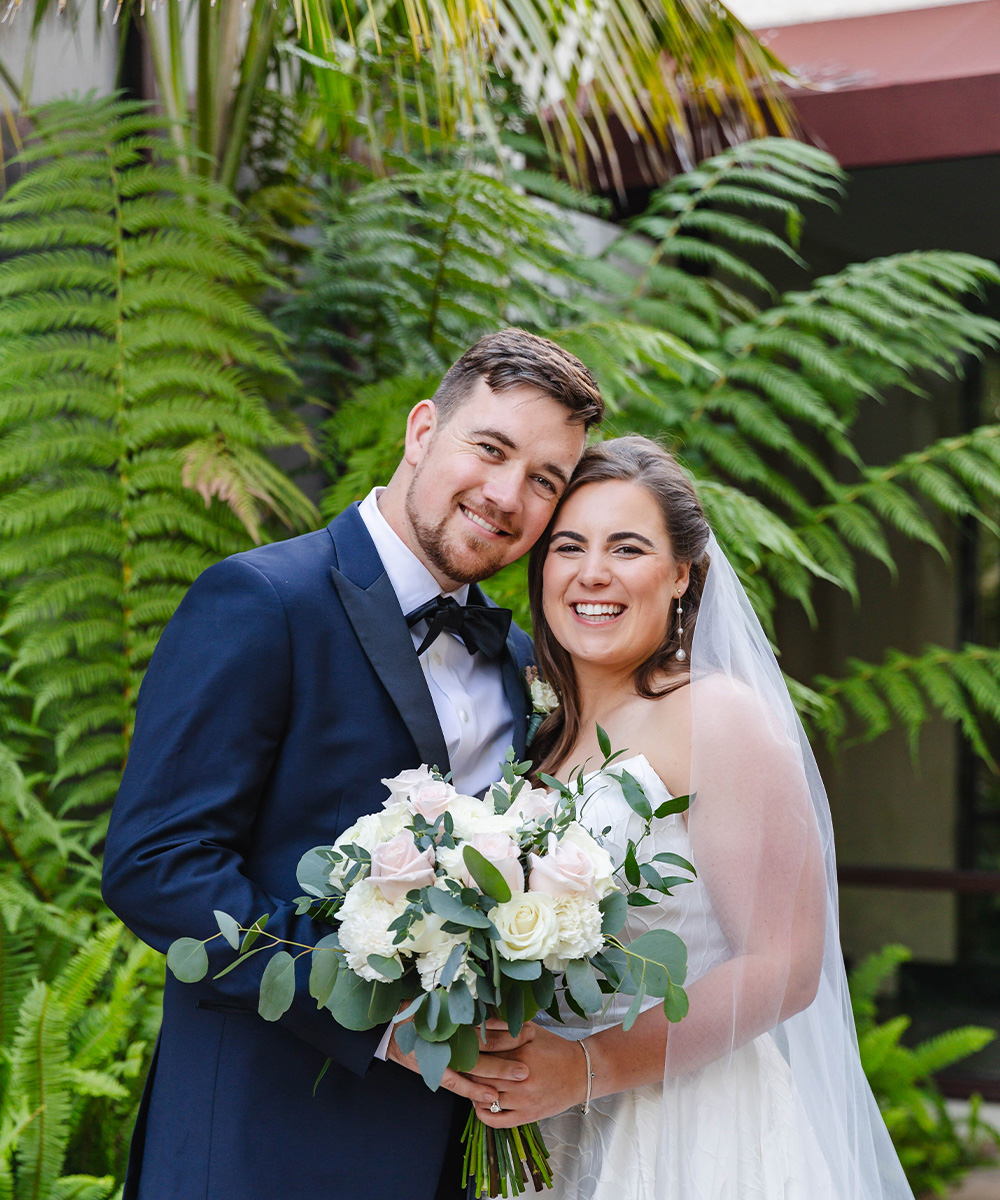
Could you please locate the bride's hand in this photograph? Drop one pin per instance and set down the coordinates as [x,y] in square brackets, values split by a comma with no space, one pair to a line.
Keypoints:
[556,1079]
[492,1070]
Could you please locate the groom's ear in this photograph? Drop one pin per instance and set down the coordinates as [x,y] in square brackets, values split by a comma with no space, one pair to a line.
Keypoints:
[421,426]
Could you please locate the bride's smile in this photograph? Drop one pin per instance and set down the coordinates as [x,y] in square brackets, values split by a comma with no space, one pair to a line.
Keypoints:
[610,576]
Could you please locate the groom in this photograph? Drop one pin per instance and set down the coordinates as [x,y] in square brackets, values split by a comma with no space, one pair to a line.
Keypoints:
[290,681]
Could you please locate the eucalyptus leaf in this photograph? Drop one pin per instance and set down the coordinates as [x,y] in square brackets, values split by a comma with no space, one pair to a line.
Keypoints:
[633,1010]
[432,1059]
[452,964]
[664,948]
[638,900]
[520,968]
[582,984]
[313,871]
[491,882]
[323,975]
[544,989]
[388,968]
[406,1037]
[614,908]
[675,1003]
[461,1006]
[350,1001]
[464,1048]
[187,959]
[229,928]
[447,905]
[514,1006]
[277,986]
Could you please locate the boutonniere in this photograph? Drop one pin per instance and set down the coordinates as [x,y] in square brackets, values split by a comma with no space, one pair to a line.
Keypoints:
[544,699]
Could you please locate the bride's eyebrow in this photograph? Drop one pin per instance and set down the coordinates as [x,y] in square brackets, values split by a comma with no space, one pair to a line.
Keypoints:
[630,537]
[568,533]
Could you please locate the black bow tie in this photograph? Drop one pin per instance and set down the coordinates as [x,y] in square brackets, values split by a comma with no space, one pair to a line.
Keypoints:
[479,627]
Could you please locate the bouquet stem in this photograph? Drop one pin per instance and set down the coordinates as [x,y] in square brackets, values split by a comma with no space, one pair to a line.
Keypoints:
[498,1161]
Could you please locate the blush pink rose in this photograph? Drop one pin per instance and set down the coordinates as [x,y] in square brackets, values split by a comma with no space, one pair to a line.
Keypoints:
[431,799]
[564,871]
[535,804]
[502,851]
[398,867]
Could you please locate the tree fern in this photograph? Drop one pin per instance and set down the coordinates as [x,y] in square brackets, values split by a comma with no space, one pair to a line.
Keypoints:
[758,393]
[134,375]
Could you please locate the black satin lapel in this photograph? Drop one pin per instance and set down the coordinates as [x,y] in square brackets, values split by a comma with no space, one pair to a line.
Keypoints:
[515,689]
[385,638]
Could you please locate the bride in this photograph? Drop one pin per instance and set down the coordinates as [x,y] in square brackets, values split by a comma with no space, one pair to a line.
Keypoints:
[758,1093]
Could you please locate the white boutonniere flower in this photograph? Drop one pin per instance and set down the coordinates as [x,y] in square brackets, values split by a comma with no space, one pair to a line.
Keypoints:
[544,699]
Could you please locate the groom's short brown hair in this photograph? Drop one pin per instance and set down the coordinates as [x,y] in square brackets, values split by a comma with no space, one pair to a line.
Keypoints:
[513,358]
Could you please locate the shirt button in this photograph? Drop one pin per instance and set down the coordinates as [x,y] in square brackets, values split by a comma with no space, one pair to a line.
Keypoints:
[436,658]
[464,715]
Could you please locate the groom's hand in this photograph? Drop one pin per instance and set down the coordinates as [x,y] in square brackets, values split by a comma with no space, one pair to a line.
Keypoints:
[491,1069]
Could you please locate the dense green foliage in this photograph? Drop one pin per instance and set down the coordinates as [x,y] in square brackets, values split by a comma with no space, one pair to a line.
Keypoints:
[936,1149]
[758,393]
[141,389]
[135,373]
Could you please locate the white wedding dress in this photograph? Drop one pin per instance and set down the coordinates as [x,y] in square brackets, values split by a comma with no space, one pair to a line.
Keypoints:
[734,1130]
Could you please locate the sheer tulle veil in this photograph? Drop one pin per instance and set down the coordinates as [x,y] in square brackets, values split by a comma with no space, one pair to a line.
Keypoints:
[762,837]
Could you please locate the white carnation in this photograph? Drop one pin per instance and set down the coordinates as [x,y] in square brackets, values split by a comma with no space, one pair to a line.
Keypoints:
[394,818]
[365,917]
[579,921]
[431,964]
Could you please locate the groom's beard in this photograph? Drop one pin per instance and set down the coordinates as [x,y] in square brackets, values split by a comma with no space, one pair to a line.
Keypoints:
[460,555]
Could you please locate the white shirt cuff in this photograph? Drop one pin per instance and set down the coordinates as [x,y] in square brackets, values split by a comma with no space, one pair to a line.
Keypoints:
[383,1046]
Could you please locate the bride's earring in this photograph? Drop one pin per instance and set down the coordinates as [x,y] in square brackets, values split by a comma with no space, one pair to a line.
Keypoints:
[681,654]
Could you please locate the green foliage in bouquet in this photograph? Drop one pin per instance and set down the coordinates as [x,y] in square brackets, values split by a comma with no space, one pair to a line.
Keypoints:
[935,1149]
[469,944]
[759,393]
[135,375]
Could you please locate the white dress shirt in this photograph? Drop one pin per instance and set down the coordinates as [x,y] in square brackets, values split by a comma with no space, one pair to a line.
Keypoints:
[466,689]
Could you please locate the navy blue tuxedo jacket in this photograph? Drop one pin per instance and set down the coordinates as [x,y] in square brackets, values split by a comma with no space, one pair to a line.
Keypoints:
[283,690]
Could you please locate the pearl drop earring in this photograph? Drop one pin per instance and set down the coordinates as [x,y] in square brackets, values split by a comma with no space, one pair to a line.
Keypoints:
[681,654]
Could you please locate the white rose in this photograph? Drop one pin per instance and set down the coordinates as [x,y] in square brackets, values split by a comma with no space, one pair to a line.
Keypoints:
[401,785]
[527,925]
[472,816]
[579,931]
[394,818]
[604,868]
[364,928]
[543,696]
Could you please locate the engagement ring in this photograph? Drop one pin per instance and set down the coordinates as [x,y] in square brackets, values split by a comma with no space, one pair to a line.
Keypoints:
[495,1107]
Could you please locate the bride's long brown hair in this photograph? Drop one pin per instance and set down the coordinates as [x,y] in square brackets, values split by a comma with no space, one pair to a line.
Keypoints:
[641,461]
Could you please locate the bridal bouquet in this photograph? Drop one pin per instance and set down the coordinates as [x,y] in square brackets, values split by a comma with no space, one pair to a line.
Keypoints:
[447,909]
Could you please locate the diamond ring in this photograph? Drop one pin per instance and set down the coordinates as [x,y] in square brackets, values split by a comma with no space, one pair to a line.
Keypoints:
[495,1107]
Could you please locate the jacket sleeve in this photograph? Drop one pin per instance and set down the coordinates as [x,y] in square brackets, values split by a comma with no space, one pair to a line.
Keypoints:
[209,724]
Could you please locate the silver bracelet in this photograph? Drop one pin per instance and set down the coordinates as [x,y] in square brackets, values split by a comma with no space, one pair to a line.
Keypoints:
[585,1106]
